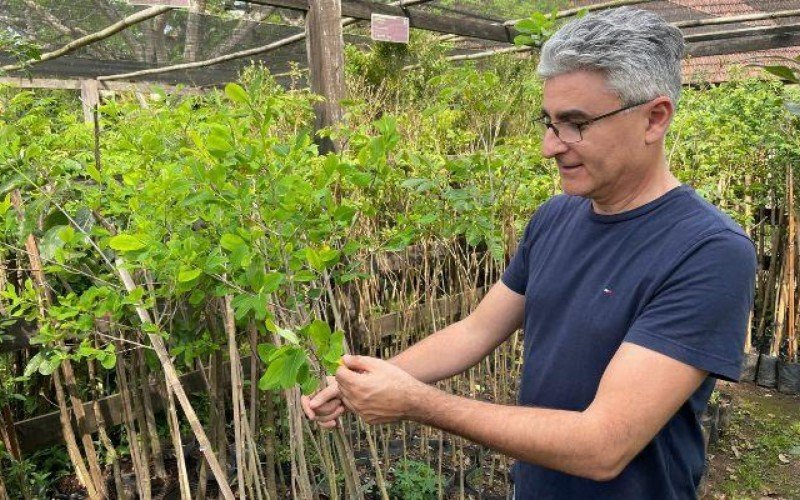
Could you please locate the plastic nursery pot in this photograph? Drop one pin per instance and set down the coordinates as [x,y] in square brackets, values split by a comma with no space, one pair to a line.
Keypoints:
[767,371]
[788,377]
[708,425]
[725,408]
[749,364]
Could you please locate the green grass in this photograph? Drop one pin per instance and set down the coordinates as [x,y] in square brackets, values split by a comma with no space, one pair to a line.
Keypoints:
[760,433]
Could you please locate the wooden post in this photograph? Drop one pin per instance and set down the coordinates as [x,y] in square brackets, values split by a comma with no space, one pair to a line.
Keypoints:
[90,97]
[325,47]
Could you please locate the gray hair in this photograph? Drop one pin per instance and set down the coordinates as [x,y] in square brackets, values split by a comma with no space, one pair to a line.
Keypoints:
[636,50]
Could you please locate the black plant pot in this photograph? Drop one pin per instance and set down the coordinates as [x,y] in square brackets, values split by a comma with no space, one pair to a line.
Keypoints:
[789,377]
[767,371]
[724,417]
[749,364]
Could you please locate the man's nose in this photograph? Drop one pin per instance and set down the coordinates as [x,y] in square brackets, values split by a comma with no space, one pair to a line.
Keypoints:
[552,145]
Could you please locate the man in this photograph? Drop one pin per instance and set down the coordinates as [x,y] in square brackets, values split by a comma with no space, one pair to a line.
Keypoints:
[633,292]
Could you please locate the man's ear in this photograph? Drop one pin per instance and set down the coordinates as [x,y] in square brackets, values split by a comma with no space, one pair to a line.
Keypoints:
[659,116]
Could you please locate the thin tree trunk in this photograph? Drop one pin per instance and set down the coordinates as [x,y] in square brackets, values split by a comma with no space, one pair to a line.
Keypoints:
[157,453]
[111,451]
[86,436]
[268,430]
[9,434]
[83,473]
[772,277]
[177,444]
[141,468]
[237,395]
[136,391]
[791,337]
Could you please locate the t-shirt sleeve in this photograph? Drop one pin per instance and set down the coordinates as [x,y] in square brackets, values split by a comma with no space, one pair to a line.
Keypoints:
[515,276]
[699,315]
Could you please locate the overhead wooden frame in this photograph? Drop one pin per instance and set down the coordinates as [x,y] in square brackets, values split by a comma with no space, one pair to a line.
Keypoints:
[453,25]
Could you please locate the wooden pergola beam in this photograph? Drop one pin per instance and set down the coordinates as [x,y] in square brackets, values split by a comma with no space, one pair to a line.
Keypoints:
[75,84]
[744,44]
[363,10]
[263,49]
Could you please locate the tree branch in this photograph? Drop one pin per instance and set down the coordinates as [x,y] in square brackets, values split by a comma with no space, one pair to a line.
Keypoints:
[112,14]
[92,38]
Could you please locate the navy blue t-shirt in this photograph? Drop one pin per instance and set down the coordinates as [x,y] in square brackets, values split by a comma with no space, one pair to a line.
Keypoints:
[675,276]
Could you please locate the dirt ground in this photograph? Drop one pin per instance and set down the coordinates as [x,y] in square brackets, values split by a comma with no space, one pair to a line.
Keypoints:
[758,455]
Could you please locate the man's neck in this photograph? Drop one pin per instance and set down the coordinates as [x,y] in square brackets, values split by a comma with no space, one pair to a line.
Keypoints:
[637,194]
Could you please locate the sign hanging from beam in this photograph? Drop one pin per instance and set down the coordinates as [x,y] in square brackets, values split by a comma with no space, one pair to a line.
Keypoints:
[389,28]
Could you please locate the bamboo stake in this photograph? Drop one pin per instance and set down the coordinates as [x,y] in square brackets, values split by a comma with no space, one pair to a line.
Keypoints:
[92,38]
[791,277]
[154,441]
[175,432]
[101,430]
[141,468]
[236,390]
[774,266]
[172,380]
[85,475]
[268,429]
[145,452]
[779,321]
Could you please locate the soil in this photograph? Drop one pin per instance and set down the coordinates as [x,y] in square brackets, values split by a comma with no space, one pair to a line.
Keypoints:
[758,455]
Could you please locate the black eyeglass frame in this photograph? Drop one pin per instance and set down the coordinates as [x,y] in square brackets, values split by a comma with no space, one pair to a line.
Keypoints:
[544,120]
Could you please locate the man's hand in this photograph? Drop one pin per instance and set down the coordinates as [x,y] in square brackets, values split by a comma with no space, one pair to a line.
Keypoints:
[325,406]
[377,390]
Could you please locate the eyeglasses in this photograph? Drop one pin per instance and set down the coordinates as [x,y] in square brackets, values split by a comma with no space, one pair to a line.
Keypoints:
[572,132]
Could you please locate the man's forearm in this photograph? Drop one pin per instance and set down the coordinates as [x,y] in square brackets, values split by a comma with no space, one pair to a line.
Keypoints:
[448,352]
[567,441]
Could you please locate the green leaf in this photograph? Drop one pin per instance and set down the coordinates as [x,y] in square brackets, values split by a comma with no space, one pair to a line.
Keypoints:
[272,377]
[109,361]
[320,333]
[344,214]
[189,274]
[231,242]
[289,335]
[314,259]
[272,281]
[49,365]
[309,386]
[264,352]
[33,364]
[304,276]
[236,93]
[527,26]
[128,242]
[5,205]
[217,144]
[783,73]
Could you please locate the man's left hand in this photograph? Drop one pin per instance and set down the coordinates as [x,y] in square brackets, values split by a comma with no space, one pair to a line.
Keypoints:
[377,390]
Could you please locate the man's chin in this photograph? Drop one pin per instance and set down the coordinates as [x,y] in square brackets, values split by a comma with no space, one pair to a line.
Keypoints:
[575,189]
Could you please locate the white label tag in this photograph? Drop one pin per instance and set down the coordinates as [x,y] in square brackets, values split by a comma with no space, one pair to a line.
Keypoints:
[389,28]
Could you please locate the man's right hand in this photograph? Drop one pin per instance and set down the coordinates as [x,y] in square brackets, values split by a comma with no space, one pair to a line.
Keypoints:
[324,406]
